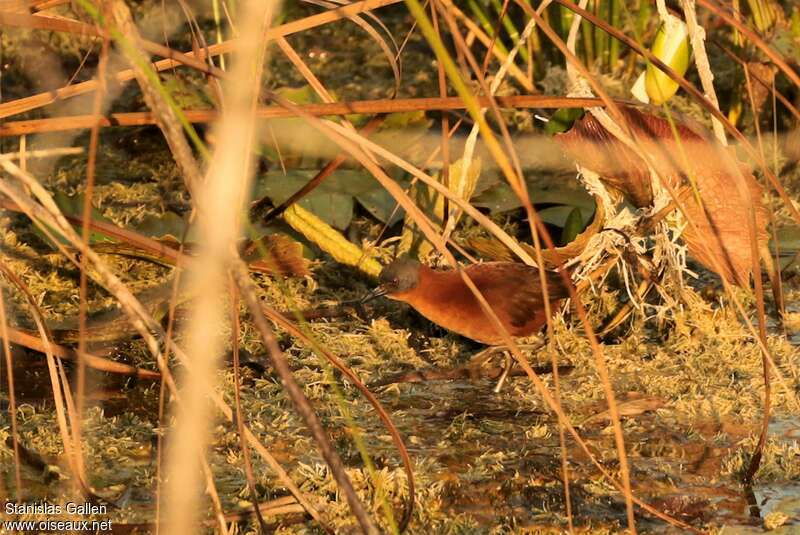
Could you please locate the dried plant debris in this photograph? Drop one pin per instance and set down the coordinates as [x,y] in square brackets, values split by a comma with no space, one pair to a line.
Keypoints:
[716,190]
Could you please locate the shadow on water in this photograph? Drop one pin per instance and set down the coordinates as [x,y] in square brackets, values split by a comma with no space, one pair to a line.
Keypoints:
[115,394]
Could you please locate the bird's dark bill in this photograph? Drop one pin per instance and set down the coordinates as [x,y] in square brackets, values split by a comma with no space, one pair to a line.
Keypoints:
[376,292]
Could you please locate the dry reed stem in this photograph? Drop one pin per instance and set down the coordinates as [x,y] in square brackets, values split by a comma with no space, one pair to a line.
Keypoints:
[35,343]
[529,28]
[445,119]
[211,489]
[456,77]
[697,35]
[43,22]
[310,77]
[600,363]
[317,179]
[218,199]
[42,99]
[141,320]
[431,182]
[162,390]
[472,137]
[770,87]
[755,459]
[307,338]
[391,57]
[75,122]
[23,152]
[59,388]
[237,398]
[520,189]
[507,160]
[325,95]
[97,106]
[486,41]
[511,153]
[42,153]
[144,243]
[12,399]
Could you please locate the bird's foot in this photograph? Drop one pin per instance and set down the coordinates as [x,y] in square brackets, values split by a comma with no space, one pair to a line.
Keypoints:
[474,370]
[481,358]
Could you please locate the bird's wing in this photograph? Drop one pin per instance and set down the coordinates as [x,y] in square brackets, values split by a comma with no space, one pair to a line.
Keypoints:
[499,280]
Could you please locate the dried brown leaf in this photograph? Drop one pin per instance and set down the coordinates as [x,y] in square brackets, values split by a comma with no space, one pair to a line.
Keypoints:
[714,169]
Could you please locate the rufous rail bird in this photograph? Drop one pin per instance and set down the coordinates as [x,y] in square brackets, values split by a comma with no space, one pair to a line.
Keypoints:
[512,290]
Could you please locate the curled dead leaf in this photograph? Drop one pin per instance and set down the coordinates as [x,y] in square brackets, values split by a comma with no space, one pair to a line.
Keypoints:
[680,160]
[276,254]
[492,249]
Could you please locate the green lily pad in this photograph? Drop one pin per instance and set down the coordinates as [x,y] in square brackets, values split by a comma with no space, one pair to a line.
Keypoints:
[562,120]
[501,198]
[73,206]
[334,199]
[381,205]
[569,218]
[572,226]
[556,215]
[331,201]
[788,240]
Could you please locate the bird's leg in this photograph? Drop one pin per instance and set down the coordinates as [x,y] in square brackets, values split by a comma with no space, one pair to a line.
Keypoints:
[482,357]
[507,365]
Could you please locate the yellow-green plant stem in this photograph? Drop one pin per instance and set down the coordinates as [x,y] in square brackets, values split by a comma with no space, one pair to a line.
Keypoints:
[601,38]
[587,31]
[330,240]
[642,19]
[477,10]
[512,30]
[218,28]
[763,16]
[565,17]
[616,7]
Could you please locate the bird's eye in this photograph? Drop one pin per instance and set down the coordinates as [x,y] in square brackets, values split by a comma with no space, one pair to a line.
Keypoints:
[396,281]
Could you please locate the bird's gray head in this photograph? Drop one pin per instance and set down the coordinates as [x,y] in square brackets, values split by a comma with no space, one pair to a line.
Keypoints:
[400,276]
